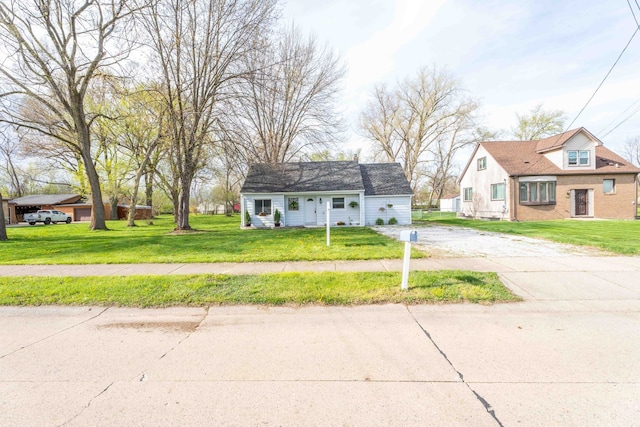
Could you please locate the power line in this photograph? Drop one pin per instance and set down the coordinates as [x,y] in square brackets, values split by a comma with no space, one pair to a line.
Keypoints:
[632,12]
[632,105]
[624,120]
[605,77]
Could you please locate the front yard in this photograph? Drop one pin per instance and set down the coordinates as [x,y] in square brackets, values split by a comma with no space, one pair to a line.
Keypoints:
[218,239]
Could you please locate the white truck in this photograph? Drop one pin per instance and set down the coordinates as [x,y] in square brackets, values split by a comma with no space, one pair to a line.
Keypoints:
[47,216]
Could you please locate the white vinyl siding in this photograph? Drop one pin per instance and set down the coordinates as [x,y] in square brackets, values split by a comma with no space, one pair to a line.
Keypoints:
[400,209]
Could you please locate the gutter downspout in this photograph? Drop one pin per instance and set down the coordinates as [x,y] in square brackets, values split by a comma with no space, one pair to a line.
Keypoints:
[514,203]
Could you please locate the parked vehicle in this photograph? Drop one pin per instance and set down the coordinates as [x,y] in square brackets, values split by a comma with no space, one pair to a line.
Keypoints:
[47,217]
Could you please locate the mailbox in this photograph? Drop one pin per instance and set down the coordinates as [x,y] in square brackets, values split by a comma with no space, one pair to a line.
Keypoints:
[408,236]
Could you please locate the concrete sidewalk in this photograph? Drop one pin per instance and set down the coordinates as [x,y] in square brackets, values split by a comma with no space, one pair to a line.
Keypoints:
[566,356]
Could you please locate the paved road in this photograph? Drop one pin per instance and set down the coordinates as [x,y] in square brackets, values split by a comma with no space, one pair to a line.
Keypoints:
[566,356]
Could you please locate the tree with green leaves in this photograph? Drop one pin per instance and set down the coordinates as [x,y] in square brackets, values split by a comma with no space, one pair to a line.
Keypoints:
[539,123]
[198,49]
[53,50]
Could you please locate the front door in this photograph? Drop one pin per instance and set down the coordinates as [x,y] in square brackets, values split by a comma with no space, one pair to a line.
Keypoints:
[581,201]
[310,211]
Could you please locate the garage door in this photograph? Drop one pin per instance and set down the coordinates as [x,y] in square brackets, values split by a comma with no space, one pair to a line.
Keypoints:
[82,214]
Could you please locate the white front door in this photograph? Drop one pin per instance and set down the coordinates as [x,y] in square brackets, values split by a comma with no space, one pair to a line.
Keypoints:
[310,211]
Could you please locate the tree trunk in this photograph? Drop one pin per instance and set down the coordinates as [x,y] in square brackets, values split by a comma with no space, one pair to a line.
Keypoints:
[113,201]
[3,225]
[182,222]
[97,212]
[148,188]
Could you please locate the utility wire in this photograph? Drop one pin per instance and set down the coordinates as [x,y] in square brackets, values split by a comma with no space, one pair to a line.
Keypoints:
[612,122]
[632,12]
[624,120]
[605,77]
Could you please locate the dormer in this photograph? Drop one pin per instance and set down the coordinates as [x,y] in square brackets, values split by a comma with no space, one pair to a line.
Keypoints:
[571,150]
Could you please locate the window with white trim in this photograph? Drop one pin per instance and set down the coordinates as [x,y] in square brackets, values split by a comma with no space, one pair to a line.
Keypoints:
[538,193]
[337,202]
[262,207]
[482,163]
[293,204]
[609,186]
[579,158]
[497,191]
[467,194]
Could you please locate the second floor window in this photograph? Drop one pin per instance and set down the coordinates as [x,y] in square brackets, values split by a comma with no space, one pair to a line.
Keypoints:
[579,158]
[482,163]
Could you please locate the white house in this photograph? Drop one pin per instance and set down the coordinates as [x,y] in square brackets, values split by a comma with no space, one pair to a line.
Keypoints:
[570,175]
[359,194]
[450,203]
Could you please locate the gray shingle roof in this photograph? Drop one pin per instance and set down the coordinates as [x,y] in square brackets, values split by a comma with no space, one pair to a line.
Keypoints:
[46,199]
[303,176]
[384,179]
[375,179]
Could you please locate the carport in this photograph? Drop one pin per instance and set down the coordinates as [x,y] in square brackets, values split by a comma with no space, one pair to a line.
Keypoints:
[36,202]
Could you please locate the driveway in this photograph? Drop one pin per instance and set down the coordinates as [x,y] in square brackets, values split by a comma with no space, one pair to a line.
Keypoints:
[447,241]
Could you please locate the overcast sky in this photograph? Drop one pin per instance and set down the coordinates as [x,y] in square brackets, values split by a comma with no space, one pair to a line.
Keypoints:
[510,54]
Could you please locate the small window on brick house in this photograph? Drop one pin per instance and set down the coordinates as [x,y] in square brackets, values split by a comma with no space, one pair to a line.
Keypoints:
[609,186]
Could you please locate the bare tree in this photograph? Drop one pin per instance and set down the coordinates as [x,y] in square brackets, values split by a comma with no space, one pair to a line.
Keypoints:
[539,123]
[421,116]
[286,104]
[631,150]
[54,49]
[9,155]
[198,47]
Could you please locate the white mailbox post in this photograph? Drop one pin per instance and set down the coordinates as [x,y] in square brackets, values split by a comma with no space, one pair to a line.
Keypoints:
[407,236]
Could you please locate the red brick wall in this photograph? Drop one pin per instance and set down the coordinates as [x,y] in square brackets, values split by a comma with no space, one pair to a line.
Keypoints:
[620,205]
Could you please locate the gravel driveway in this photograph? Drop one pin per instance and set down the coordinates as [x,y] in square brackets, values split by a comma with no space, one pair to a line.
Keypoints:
[446,241]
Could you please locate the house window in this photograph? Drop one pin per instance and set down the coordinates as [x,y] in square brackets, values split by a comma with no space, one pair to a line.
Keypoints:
[293,204]
[497,191]
[337,202]
[262,207]
[579,158]
[609,186]
[467,194]
[538,193]
[482,163]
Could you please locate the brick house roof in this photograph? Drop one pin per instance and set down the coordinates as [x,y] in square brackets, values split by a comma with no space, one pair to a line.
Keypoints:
[46,199]
[374,179]
[519,158]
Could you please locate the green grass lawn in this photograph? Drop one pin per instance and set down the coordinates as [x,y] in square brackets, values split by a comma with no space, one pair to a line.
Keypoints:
[267,289]
[218,239]
[617,236]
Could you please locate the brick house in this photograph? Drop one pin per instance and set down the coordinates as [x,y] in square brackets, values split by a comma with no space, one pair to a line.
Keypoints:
[570,175]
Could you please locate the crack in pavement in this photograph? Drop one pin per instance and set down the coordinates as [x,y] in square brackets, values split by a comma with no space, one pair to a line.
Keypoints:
[188,335]
[54,334]
[482,400]
[87,405]
[143,375]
